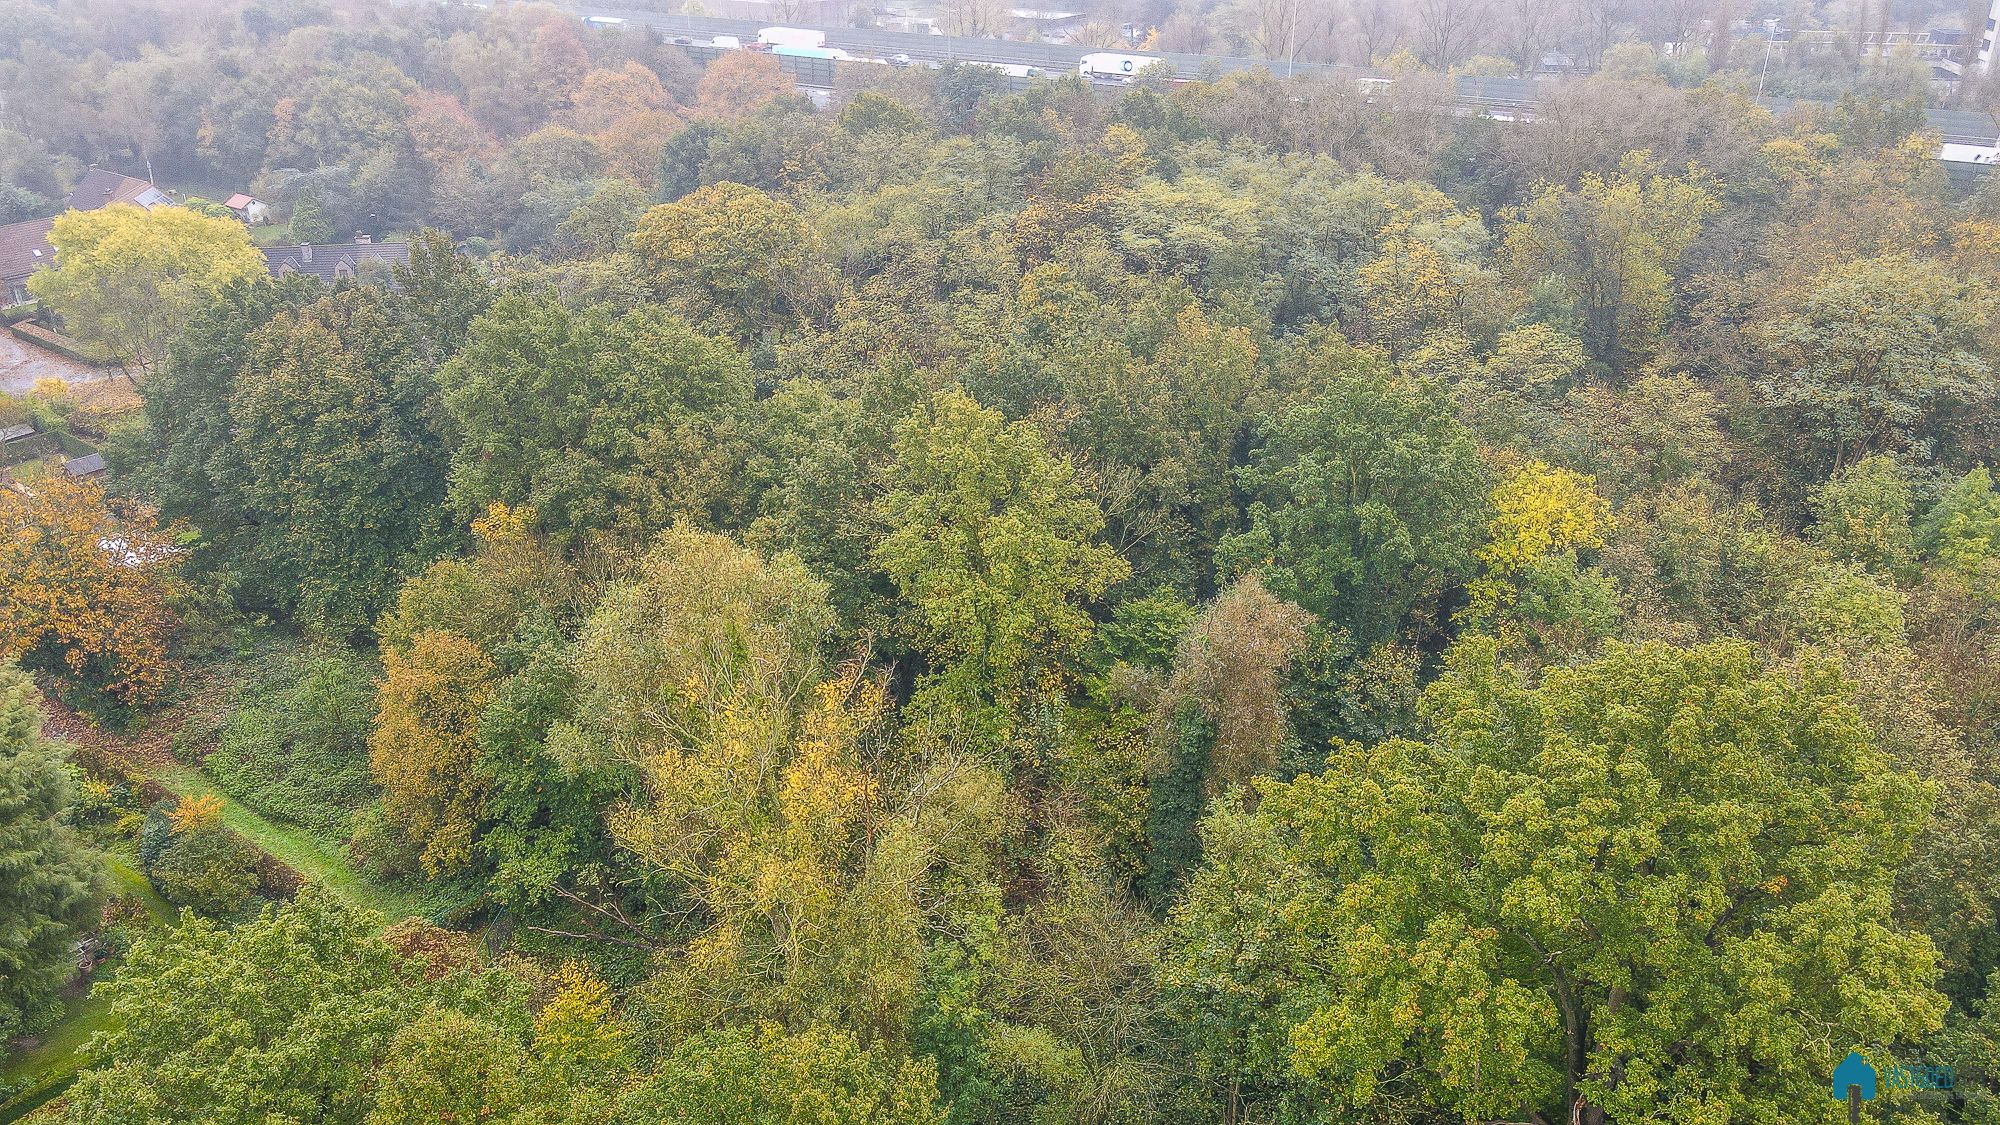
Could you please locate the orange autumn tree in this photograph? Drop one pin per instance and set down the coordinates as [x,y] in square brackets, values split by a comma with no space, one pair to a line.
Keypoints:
[739,84]
[84,587]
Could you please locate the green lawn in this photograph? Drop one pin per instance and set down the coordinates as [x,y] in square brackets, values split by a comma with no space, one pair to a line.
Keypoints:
[318,859]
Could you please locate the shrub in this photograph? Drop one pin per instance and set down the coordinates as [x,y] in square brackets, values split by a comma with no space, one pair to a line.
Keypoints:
[381,846]
[207,867]
[296,747]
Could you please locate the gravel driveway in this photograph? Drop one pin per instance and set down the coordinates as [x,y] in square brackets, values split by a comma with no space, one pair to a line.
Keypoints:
[21,364]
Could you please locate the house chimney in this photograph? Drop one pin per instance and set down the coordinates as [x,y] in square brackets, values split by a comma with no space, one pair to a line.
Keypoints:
[305,251]
[363,238]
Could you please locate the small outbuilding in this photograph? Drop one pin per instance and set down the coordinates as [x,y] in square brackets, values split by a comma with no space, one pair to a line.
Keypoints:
[249,208]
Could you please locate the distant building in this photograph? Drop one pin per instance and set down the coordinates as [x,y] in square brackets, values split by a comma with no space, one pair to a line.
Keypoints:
[1054,25]
[24,246]
[21,432]
[794,13]
[1983,58]
[332,261]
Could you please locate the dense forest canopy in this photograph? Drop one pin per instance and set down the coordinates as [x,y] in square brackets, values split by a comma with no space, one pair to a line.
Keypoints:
[1250,600]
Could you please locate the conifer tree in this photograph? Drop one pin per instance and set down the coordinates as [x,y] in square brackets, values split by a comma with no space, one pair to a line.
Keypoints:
[51,885]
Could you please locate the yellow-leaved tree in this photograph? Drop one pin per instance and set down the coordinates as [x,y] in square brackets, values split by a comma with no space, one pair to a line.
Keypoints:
[1535,589]
[126,278]
[85,586]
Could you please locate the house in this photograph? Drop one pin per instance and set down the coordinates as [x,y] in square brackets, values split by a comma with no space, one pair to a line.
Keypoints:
[332,261]
[1854,1077]
[11,434]
[24,246]
[249,208]
[87,467]
[101,188]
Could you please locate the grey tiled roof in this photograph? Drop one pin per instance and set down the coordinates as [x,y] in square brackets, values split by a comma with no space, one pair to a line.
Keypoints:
[330,261]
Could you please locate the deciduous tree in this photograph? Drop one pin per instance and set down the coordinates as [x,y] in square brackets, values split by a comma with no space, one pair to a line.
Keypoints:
[127,278]
[1370,496]
[991,544]
[1610,245]
[338,460]
[424,748]
[729,257]
[1877,355]
[87,587]
[1552,909]
[635,421]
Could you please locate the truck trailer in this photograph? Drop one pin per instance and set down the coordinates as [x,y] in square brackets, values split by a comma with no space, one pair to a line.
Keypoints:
[1111,64]
[791,37]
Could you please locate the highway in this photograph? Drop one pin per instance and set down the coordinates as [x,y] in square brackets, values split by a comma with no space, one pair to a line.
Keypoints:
[1060,58]
[1508,97]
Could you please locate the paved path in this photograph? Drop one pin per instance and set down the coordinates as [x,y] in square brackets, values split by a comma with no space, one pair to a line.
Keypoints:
[22,364]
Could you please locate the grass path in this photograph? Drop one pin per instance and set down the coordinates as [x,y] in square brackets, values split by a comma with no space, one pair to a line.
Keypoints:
[58,1056]
[319,860]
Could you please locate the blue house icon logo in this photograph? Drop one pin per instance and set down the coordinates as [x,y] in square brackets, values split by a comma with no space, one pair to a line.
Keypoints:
[1853,1071]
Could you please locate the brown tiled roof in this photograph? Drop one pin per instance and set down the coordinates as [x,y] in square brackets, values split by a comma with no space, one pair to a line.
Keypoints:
[101,187]
[24,248]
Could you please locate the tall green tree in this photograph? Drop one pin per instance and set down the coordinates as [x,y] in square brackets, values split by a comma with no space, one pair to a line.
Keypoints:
[1657,885]
[337,460]
[55,883]
[991,545]
[441,293]
[181,457]
[1880,355]
[596,421]
[1370,496]
[285,1018]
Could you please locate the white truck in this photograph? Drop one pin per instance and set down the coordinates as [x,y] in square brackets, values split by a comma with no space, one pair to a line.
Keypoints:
[791,37]
[1111,64]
